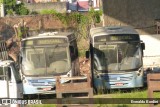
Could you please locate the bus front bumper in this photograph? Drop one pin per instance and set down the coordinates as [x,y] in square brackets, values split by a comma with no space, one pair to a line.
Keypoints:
[103,84]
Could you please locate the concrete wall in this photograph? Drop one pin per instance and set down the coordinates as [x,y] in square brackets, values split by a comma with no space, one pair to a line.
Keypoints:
[58,6]
[137,13]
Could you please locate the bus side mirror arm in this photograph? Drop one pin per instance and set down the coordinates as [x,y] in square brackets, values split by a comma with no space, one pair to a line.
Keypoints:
[8,73]
[20,58]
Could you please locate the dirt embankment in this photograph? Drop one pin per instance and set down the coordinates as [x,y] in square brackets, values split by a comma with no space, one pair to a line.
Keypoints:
[33,22]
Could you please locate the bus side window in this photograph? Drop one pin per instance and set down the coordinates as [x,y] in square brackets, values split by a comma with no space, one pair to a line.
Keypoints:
[1,73]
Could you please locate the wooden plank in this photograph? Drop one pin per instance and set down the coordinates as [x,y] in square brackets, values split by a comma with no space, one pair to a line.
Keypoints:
[75,87]
[73,78]
[154,88]
[73,91]
[153,76]
[153,81]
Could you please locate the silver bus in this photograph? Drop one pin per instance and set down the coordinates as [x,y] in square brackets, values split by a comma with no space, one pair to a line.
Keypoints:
[116,57]
[45,56]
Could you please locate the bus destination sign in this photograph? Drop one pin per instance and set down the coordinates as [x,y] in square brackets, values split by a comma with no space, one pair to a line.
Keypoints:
[119,37]
[50,41]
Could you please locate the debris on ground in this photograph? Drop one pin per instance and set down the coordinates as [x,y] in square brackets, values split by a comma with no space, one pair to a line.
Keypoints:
[84,65]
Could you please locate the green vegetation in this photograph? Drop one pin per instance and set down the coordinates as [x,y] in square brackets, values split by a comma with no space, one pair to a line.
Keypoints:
[116,98]
[81,52]
[135,93]
[122,96]
[42,105]
[21,9]
[81,22]
[12,8]
[45,11]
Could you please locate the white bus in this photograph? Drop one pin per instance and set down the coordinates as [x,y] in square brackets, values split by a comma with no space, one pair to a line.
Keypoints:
[45,56]
[116,57]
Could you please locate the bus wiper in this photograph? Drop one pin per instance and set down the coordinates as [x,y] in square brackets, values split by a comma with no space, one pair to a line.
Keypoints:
[37,55]
[125,56]
[48,57]
[54,50]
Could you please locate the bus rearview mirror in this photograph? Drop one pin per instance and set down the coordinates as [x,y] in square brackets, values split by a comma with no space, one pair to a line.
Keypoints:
[20,59]
[87,54]
[143,46]
[71,49]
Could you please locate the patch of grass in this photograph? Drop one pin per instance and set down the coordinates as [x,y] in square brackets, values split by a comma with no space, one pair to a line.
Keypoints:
[42,105]
[136,94]
[112,105]
[83,46]
[122,96]
[46,11]
[115,98]
[81,53]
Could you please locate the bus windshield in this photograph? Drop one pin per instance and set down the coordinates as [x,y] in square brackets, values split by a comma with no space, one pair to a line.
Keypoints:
[119,56]
[46,60]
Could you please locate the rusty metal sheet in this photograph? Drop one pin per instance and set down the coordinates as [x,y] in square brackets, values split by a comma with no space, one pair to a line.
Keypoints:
[74,87]
[153,81]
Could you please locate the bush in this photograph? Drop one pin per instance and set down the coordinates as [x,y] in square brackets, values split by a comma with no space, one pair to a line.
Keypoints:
[48,12]
[10,12]
[11,7]
[21,9]
[34,13]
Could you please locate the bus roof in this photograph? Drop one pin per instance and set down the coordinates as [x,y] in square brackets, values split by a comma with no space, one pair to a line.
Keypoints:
[112,30]
[50,35]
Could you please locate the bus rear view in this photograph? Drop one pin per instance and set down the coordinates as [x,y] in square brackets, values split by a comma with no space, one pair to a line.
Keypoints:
[116,58]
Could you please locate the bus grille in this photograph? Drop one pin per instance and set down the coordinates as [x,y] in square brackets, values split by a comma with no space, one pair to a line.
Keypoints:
[116,78]
[42,83]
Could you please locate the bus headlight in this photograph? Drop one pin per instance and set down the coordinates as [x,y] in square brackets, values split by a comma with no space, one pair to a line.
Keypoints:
[96,74]
[27,82]
[24,81]
[139,72]
[69,74]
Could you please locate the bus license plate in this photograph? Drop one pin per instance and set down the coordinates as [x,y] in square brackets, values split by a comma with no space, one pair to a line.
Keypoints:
[47,89]
[119,84]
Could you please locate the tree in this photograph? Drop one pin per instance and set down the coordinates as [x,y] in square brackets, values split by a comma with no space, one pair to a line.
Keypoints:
[11,8]
[2,8]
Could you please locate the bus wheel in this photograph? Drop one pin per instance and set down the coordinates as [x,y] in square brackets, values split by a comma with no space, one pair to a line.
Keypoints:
[99,91]
[95,91]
